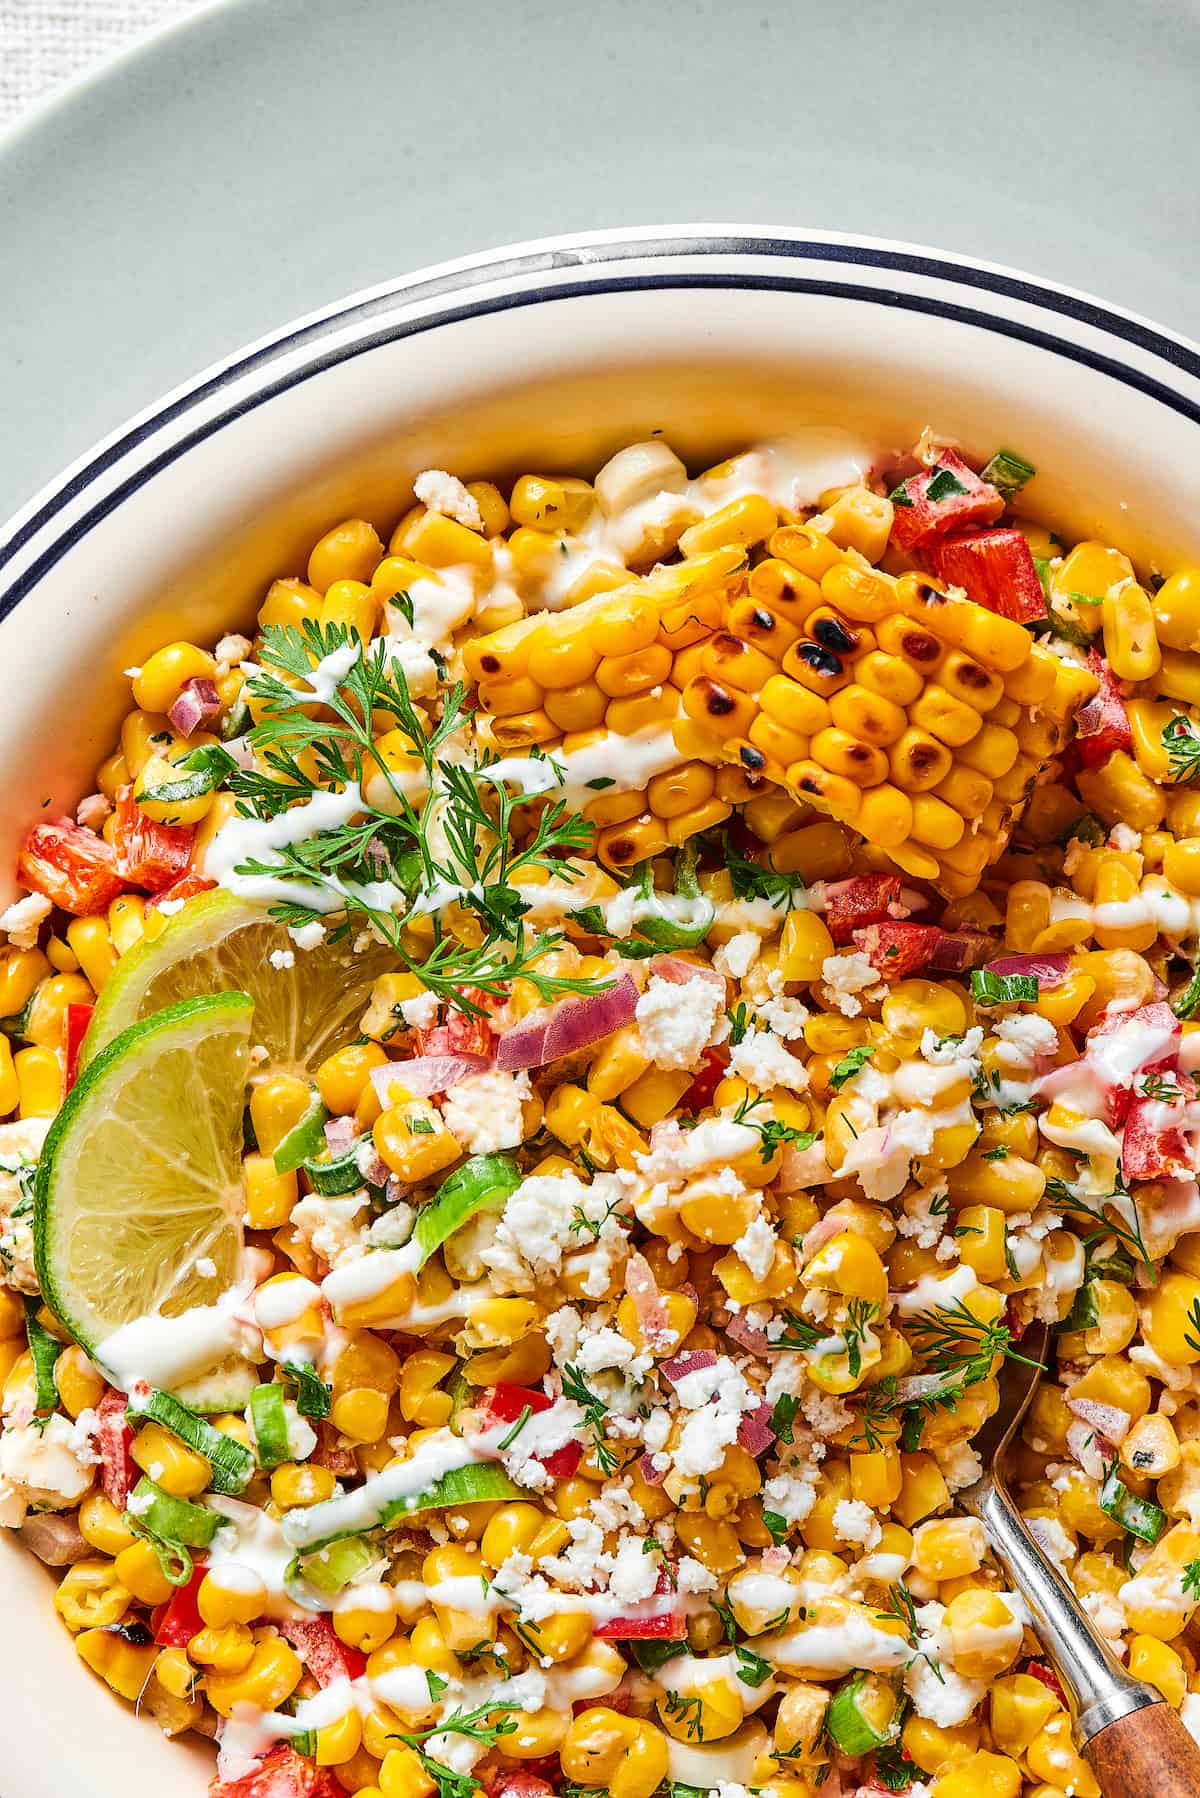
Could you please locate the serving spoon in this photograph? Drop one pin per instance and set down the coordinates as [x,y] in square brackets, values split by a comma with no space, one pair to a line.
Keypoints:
[1133,1741]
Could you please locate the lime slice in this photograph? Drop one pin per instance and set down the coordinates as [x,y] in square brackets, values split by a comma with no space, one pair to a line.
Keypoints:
[140,1181]
[219,943]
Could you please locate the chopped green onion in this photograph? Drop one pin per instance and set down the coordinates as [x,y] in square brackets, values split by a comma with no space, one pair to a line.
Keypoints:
[231,1461]
[1001,989]
[304,1139]
[862,1714]
[337,1175]
[312,1395]
[44,1351]
[174,1562]
[331,1568]
[1008,472]
[944,485]
[1085,1311]
[481,1184]
[236,722]
[507,1440]
[480,1482]
[270,1425]
[174,1520]
[1140,1516]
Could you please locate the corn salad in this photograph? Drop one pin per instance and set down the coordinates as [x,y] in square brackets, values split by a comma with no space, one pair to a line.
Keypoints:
[774,897]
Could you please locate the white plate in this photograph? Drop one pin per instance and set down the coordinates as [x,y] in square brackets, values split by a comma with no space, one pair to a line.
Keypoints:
[265,158]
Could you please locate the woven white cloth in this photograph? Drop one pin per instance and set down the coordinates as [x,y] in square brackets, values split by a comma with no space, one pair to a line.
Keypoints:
[46,42]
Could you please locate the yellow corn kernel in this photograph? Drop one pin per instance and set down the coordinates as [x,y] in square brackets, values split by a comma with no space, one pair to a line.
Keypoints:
[1161,1665]
[934,1746]
[227,1649]
[804,945]
[922,1489]
[948,1548]
[861,520]
[160,680]
[1152,1446]
[349,552]
[175,1673]
[364,1628]
[10,1091]
[338,1742]
[294,1485]
[617,1065]
[241,1600]
[270,1196]
[48,1007]
[102,1526]
[80,1386]
[361,1414]
[984,1775]
[1176,608]
[402,1775]
[420,1400]
[1051,1756]
[654,1095]
[272,1676]
[1118,792]
[1020,1706]
[39,1082]
[21,970]
[92,947]
[342,1076]
[179,1470]
[92,1595]
[413,1141]
[353,605]
[123,1665]
[985,1634]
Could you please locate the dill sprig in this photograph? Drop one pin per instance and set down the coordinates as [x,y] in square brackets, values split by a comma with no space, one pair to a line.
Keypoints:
[594,1409]
[377,868]
[954,1342]
[1062,1198]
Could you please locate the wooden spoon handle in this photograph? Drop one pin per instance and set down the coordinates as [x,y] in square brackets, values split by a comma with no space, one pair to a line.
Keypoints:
[1147,1751]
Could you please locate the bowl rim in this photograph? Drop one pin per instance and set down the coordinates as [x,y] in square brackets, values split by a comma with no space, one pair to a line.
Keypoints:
[573,265]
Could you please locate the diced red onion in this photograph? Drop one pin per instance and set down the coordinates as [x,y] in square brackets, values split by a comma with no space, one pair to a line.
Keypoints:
[339,1134]
[678,970]
[425,1075]
[56,1540]
[1086,1447]
[803,1167]
[572,1024]
[652,1475]
[373,1167]
[742,1331]
[1047,970]
[823,1231]
[960,949]
[682,1365]
[754,1431]
[1108,1421]
[198,702]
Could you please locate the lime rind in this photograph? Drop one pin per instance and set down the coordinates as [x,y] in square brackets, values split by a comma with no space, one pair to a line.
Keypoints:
[140,1173]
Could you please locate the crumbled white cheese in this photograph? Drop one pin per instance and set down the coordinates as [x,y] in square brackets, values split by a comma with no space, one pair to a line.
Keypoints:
[943,1697]
[960,1465]
[676,1020]
[542,1221]
[47,1468]
[23,919]
[854,1521]
[845,975]
[635,1573]
[958,1052]
[881,1155]
[790,1495]
[736,957]
[445,493]
[332,1227]
[1124,837]
[756,1247]
[282,958]
[762,1061]
[307,936]
[1030,1035]
[485,1111]
[20,1145]
[826,1413]
[420,1013]
[694,1576]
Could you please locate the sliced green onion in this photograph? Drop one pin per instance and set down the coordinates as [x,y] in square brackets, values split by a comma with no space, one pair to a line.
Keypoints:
[1140,1516]
[237,720]
[1084,1313]
[270,1425]
[329,1569]
[481,1184]
[943,485]
[304,1139]
[174,1561]
[339,1174]
[506,1441]
[312,1394]
[481,1482]
[202,770]
[174,1520]
[44,1350]
[1001,989]
[1008,472]
[231,1461]
[304,1742]
[862,1714]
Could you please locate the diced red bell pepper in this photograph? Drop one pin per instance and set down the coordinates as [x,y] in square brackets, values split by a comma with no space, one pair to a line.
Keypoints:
[147,854]
[506,1403]
[897,948]
[713,1063]
[178,1620]
[995,568]
[74,869]
[663,1626]
[280,1774]
[1102,724]
[322,1650]
[1153,1145]
[186,887]
[114,1438]
[946,497]
[1048,1677]
[462,1033]
[864,899]
[76,1019]
[518,1782]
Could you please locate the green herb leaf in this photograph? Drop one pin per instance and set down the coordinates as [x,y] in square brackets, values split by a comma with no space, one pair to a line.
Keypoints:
[943,485]
[849,1065]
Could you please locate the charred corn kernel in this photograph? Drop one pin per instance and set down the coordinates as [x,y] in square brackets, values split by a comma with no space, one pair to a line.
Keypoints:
[849,758]
[719,706]
[1161,1665]
[270,1196]
[92,1595]
[227,1597]
[639,840]
[102,1526]
[39,1082]
[294,1484]
[342,1076]
[125,1666]
[160,680]
[763,627]
[413,1141]
[227,1649]
[178,1469]
[272,1676]
[1151,1447]
[917,761]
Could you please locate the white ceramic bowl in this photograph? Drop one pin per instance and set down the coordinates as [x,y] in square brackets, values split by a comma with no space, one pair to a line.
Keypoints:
[546,356]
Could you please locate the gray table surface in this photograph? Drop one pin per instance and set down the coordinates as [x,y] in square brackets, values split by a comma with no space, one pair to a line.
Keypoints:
[270,155]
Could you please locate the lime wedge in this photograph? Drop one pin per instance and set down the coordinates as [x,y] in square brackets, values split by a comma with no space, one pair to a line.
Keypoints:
[219,943]
[140,1182]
